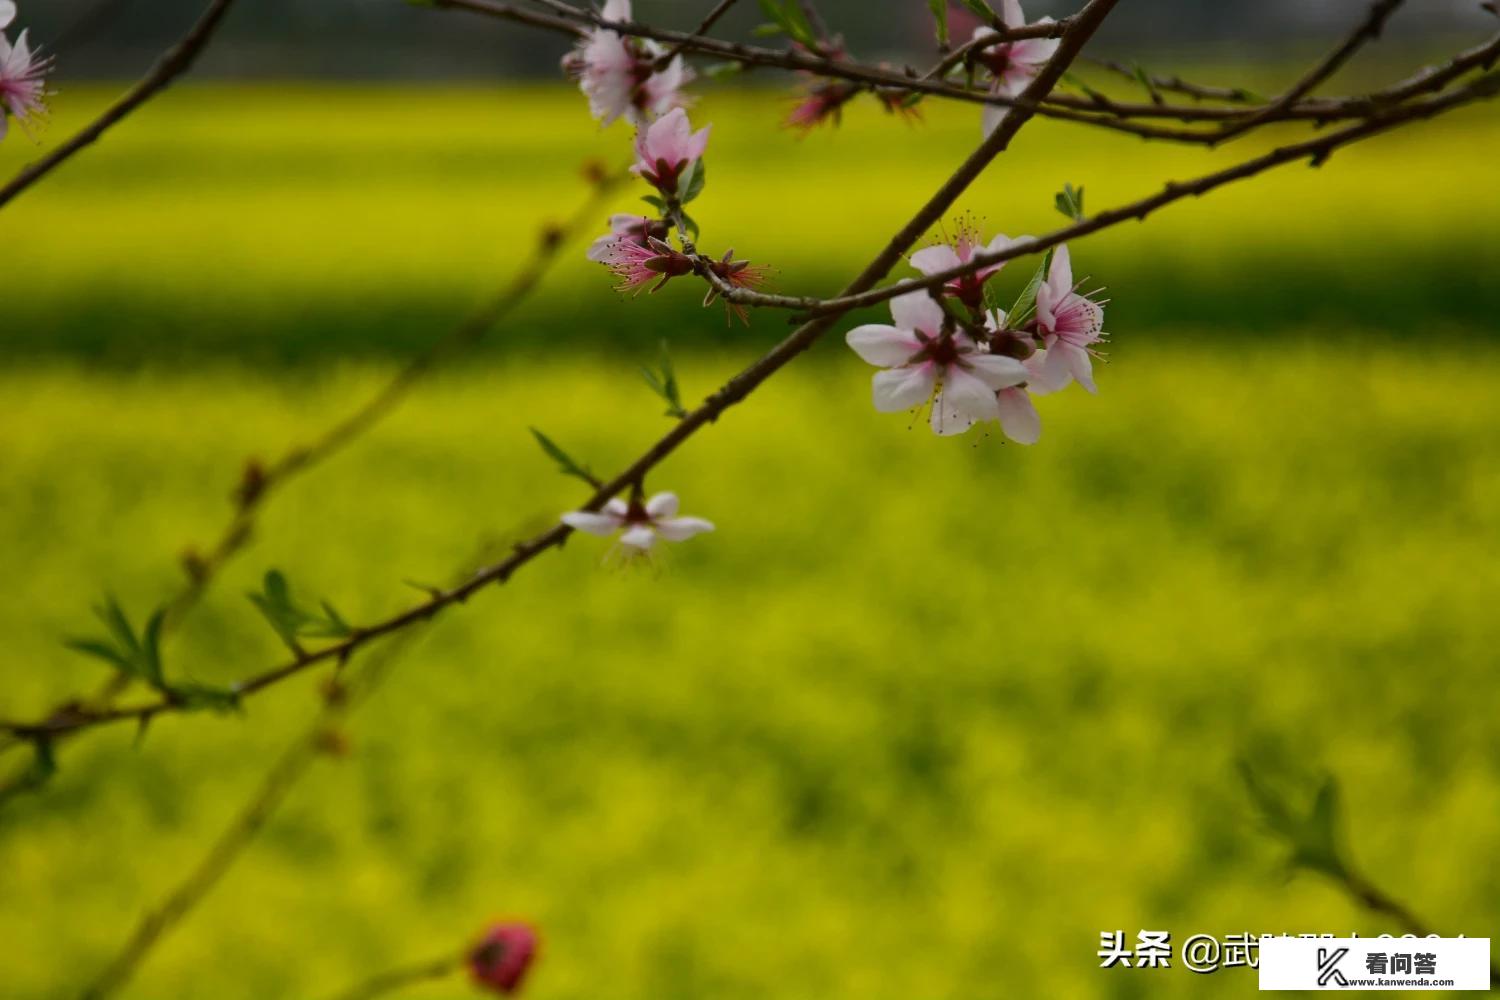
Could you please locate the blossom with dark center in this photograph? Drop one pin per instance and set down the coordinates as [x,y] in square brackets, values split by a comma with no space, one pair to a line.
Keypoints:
[1011,65]
[1069,324]
[925,362]
[626,227]
[639,523]
[639,264]
[940,257]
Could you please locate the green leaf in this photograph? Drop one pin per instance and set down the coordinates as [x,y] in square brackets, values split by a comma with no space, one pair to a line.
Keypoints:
[979,7]
[690,184]
[1069,202]
[136,656]
[565,463]
[719,71]
[657,203]
[290,620]
[939,10]
[1025,305]
[788,17]
[1309,824]
[692,226]
[664,384]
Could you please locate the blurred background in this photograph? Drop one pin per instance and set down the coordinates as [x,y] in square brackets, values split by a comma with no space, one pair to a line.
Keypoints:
[924,716]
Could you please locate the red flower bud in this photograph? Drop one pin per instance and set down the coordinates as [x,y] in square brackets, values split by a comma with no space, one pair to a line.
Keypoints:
[500,960]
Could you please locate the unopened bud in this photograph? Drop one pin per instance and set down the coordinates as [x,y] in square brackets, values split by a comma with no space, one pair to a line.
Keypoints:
[500,960]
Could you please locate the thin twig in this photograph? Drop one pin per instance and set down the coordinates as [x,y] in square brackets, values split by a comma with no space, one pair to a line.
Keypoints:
[403,976]
[732,392]
[259,483]
[177,60]
[1365,31]
[322,737]
[709,20]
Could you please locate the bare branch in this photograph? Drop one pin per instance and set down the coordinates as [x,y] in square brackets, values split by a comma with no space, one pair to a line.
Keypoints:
[1365,31]
[177,60]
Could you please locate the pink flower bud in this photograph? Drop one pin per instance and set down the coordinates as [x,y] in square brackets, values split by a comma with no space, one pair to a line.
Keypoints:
[500,960]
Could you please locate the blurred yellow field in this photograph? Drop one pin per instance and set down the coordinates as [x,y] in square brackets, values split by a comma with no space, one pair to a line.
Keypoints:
[919,720]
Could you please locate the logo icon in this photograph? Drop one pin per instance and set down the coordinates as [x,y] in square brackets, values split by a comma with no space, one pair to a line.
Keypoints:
[1328,966]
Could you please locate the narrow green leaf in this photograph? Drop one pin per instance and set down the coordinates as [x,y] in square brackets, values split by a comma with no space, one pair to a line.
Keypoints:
[103,651]
[979,7]
[939,10]
[1069,202]
[1025,305]
[690,185]
[565,463]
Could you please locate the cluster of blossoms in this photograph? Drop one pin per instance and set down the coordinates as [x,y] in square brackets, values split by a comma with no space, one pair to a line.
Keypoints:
[500,959]
[823,98]
[22,76]
[619,74]
[1011,65]
[971,364]
[949,348]
[669,156]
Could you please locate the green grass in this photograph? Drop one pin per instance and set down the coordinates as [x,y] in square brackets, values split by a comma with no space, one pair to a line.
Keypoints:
[278,224]
[919,720]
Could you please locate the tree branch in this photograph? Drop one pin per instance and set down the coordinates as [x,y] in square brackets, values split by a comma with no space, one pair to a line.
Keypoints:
[177,60]
[733,391]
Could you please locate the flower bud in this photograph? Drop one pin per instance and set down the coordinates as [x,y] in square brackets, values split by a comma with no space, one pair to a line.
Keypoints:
[500,960]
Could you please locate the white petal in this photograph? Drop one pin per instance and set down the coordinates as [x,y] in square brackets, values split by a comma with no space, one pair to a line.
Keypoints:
[1018,417]
[1010,13]
[917,311]
[601,248]
[1034,51]
[7,13]
[662,505]
[619,508]
[593,524]
[1053,372]
[616,10]
[678,529]
[639,537]
[996,371]
[963,402]
[994,114]
[1035,371]
[1079,365]
[882,345]
[1060,275]
[931,260]
[898,389]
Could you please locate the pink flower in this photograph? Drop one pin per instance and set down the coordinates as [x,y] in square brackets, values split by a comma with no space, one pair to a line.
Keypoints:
[942,257]
[639,264]
[21,79]
[640,524]
[1012,65]
[923,362]
[666,148]
[500,960]
[618,74]
[7,13]
[1069,324]
[629,228]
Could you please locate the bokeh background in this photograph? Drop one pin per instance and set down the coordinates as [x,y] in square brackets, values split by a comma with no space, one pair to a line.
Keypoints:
[924,716]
